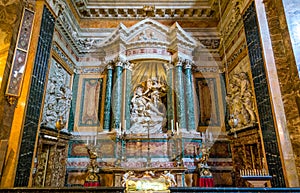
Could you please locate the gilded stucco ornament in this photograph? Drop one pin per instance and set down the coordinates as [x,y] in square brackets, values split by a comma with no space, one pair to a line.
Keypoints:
[241,101]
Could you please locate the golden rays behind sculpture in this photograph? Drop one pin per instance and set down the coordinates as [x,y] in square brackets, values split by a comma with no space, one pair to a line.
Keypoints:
[148,69]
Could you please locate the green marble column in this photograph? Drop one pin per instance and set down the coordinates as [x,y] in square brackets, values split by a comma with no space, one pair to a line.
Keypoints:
[170,94]
[128,68]
[190,96]
[117,95]
[107,104]
[180,98]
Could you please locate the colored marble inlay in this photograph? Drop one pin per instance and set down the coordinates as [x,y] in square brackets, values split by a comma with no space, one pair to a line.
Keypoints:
[208,100]
[136,148]
[17,73]
[20,57]
[106,149]
[90,102]
[191,148]
[25,32]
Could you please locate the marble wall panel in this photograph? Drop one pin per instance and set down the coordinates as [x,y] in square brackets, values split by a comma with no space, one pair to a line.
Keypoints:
[33,111]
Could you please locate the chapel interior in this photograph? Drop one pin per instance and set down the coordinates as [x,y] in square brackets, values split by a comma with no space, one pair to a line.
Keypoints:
[148,95]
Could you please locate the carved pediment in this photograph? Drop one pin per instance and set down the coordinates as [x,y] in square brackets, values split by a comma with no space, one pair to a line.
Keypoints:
[148,35]
[149,39]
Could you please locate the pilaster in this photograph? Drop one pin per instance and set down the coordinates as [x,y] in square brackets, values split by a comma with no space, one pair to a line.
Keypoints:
[128,73]
[25,122]
[284,84]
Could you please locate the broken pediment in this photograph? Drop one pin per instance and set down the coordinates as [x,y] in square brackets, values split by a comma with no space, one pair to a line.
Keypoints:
[149,39]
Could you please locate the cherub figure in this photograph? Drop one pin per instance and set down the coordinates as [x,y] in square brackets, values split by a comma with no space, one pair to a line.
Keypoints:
[170,178]
[126,177]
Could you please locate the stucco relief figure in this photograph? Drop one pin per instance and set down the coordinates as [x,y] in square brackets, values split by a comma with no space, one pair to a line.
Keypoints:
[147,108]
[58,99]
[240,101]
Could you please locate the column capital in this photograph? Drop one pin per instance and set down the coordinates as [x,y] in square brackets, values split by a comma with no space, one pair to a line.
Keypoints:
[120,61]
[179,61]
[168,66]
[188,64]
[109,66]
[128,65]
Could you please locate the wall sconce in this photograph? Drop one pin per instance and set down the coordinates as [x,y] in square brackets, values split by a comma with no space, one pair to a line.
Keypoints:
[18,66]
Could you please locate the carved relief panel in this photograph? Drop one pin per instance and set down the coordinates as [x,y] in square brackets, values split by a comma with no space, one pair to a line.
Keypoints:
[240,97]
[58,95]
[52,153]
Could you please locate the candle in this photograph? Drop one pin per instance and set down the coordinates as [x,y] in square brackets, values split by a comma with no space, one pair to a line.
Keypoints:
[95,141]
[120,127]
[203,137]
[210,136]
[177,128]
[172,126]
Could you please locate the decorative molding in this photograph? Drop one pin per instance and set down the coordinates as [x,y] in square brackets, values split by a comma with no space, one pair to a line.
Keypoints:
[60,53]
[149,39]
[207,69]
[134,10]
[233,22]
[236,54]
[88,70]
[58,6]
[210,43]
